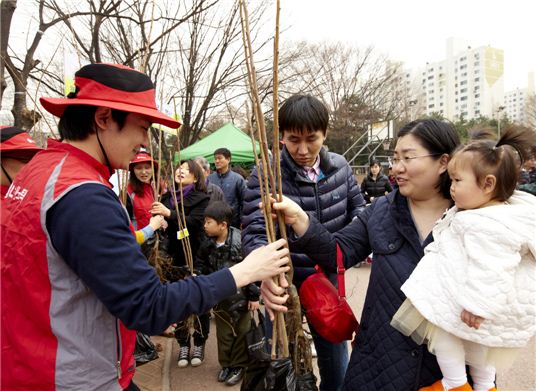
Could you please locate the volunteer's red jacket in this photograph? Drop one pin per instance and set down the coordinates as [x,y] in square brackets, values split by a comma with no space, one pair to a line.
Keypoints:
[69,288]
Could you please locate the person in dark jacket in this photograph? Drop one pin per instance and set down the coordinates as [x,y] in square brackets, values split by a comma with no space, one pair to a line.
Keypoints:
[375,184]
[396,228]
[194,199]
[324,185]
[214,192]
[233,320]
[231,183]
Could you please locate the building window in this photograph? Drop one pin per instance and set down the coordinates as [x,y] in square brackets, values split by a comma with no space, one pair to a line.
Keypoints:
[463,98]
[431,106]
[477,79]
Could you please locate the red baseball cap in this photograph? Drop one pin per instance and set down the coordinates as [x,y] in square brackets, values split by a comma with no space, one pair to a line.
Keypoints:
[142,157]
[114,86]
[16,143]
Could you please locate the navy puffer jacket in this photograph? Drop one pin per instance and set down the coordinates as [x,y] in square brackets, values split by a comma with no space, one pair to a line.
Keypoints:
[382,358]
[334,200]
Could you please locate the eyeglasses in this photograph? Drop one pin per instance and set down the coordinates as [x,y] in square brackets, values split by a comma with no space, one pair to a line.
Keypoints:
[407,160]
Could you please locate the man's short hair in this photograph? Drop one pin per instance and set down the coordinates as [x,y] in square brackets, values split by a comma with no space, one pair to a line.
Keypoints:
[219,211]
[78,121]
[303,113]
[223,151]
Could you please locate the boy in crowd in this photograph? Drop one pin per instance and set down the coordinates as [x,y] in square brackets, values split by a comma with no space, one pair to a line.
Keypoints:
[223,248]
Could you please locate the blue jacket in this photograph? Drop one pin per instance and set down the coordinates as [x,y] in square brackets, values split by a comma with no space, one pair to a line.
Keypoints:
[232,185]
[334,200]
[382,358]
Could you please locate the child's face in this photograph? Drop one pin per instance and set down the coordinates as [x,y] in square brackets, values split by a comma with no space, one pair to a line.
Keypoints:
[213,228]
[466,192]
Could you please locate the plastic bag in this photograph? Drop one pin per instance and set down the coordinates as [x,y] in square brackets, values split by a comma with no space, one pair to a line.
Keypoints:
[276,375]
[144,350]
[257,341]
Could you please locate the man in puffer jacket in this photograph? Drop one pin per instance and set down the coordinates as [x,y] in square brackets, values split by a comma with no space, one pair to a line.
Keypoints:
[320,182]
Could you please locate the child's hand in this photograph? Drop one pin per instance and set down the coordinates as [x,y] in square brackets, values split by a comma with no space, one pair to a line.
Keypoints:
[471,320]
[253,305]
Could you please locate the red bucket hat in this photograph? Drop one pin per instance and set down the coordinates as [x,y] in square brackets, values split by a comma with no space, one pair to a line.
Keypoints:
[115,86]
[140,158]
[16,143]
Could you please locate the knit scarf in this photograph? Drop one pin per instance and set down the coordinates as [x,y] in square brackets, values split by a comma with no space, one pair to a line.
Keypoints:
[185,190]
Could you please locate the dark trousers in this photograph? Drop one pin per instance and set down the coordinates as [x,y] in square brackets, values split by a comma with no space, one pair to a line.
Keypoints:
[200,334]
[232,347]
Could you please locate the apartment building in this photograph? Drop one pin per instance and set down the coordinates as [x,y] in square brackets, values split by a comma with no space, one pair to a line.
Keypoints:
[468,83]
[516,101]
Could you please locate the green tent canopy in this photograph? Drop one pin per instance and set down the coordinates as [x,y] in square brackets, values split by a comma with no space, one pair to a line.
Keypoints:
[228,136]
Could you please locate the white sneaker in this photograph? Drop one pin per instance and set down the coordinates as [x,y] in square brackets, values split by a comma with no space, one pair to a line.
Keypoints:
[184,355]
[198,355]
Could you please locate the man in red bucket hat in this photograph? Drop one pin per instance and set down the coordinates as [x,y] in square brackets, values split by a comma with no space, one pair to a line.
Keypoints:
[75,284]
[16,149]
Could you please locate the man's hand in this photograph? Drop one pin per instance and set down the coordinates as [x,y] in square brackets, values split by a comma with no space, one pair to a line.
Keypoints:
[274,296]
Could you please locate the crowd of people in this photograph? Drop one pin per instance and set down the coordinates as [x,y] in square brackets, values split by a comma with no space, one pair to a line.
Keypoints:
[449,232]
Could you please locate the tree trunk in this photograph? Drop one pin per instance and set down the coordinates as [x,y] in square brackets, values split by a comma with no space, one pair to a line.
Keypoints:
[7,8]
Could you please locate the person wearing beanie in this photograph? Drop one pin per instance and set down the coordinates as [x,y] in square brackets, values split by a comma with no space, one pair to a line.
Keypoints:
[74,281]
[16,149]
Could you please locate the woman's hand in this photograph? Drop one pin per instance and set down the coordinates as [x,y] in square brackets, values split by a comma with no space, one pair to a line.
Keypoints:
[274,296]
[157,208]
[262,263]
[293,214]
[471,320]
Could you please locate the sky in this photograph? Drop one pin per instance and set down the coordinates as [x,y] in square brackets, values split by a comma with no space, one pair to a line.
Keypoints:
[416,31]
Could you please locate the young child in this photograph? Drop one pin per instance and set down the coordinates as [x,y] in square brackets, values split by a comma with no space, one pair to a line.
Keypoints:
[472,297]
[223,249]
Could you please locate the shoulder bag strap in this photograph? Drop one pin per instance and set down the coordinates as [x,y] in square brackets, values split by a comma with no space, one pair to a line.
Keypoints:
[340,274]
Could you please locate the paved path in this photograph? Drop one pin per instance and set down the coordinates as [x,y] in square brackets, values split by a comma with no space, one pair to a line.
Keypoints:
[164,375]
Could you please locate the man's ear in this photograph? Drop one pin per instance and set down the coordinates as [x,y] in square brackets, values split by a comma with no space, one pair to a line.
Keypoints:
[490,182]
[103,116]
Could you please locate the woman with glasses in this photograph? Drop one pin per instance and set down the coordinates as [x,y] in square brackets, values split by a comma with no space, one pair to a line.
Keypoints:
[396,228]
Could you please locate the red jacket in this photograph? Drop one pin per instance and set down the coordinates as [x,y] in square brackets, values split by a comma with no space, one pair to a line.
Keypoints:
[141,205]
[56,334]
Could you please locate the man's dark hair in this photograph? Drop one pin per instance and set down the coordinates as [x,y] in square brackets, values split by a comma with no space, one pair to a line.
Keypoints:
[223,151]
[220,211]
[437,137]
[303,113]
[78,121]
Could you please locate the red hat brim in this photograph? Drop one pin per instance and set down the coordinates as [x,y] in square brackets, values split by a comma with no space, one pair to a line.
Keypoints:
[56,106]
[142,159]
[19,146]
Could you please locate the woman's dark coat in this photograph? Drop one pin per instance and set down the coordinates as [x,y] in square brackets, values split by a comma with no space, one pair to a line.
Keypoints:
[382,358]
